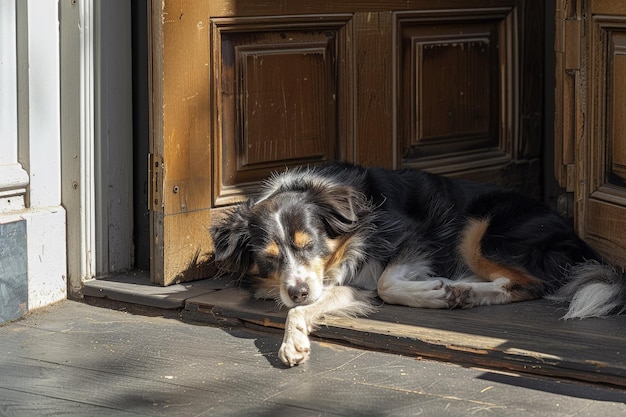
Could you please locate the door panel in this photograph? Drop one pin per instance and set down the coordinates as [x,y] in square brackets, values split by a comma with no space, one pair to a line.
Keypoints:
[449,87]
[596,139]
[277,97]
[470,93]
[242,89]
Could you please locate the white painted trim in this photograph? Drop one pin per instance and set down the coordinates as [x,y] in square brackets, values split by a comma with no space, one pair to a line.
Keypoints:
[13,178]
[87,140]
[44,107]
[45,218]
[8,86]
[78,39]
[13,183]
[46,253]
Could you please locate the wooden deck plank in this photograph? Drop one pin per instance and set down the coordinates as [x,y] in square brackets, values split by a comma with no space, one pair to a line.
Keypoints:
[98,388]
[18,403]
[526,337]
[74,357]
[135,287]
[109,359]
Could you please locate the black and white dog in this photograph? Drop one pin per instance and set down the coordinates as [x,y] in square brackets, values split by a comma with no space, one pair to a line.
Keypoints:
[319,240]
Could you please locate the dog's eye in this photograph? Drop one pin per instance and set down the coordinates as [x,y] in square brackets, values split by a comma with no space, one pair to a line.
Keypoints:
[268,258]
[267,265]
[271,250]
[307,245]
[271,257]
[303,241]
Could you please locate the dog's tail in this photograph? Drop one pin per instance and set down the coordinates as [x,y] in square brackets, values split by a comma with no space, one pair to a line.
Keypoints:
[595,289]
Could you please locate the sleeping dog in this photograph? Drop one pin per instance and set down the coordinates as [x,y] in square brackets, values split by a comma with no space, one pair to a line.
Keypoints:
[323,240]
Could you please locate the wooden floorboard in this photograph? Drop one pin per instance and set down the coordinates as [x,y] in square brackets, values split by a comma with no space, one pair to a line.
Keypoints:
[525,337]
[19,403]
[74,359]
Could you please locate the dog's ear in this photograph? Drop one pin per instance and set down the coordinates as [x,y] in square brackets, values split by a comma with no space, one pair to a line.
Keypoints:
[342,208]
[230,239]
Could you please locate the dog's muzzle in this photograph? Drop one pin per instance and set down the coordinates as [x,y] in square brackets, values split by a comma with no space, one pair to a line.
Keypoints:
[298,293]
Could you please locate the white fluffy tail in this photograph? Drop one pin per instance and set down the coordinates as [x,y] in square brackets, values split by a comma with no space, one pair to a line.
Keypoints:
[594,290]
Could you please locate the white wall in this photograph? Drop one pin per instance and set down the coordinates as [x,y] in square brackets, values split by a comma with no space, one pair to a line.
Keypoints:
[30,141]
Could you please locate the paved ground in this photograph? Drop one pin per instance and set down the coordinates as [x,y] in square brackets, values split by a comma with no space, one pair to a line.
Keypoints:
[77,359]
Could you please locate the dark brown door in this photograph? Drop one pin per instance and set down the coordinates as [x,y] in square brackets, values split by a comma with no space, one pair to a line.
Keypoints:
[242,89]
[591,119]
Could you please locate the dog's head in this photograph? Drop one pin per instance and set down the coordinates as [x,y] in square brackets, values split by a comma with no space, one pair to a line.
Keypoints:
[289,240]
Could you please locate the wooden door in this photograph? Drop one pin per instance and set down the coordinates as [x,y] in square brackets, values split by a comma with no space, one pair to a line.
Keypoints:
[241,89]
[591,119]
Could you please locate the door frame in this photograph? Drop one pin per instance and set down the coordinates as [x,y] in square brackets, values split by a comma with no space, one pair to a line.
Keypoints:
[96,130]
[582,118]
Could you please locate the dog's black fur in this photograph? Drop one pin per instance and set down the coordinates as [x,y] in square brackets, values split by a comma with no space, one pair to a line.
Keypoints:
[316,235]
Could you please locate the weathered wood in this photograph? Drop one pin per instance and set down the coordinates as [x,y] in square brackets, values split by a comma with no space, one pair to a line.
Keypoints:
[136,288]
[74,359]
[180,134]
[373,82]
[525,337]
[18,403]
[589,121]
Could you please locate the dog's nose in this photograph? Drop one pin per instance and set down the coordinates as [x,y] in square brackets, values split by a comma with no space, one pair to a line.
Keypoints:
[299,292]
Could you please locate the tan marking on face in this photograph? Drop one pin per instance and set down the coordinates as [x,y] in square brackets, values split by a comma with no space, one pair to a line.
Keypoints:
[301,239]
[338,247]
[272,249]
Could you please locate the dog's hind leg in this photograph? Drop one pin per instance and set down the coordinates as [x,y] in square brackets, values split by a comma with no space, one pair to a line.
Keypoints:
[411,281]
[412,284]
[501,284]
[399,285]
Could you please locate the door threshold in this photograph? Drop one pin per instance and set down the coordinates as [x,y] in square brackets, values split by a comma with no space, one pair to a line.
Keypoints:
[135,287]
[526,337]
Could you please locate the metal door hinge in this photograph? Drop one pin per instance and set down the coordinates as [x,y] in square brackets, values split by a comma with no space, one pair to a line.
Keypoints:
[156,173]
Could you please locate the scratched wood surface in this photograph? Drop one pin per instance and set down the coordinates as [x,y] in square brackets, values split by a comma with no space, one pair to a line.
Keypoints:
[525,337]
[74,359]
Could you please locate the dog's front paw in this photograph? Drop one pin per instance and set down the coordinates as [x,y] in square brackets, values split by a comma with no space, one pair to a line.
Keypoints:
[296,346]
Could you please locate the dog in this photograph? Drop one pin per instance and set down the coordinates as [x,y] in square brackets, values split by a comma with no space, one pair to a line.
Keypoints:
[325,240]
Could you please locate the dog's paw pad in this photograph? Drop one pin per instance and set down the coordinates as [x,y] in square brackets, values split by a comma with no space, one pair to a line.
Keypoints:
[292,353]
[459,296]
